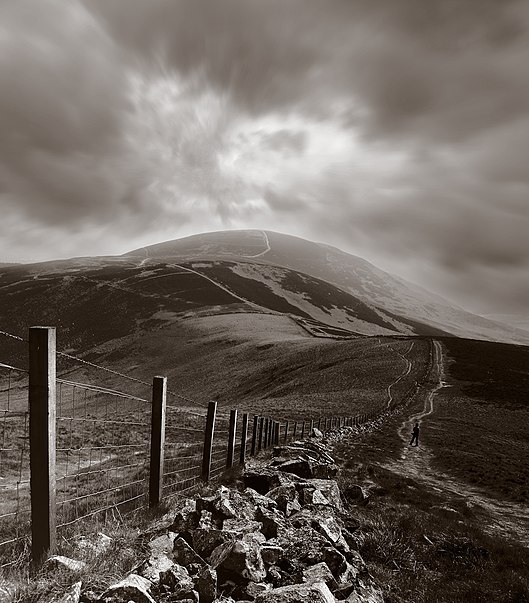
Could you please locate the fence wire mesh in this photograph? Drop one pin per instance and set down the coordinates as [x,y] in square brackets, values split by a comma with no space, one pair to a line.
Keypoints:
[102,452]
[184,441]
[15,505]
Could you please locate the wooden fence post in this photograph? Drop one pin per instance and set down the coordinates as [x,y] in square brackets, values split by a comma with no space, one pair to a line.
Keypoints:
[244,437]
[319,423]
[159,398]
[311,427]
[295,429]
[271,432]
[261,432]
[208,440]
[254,434]
[231,439]
[303,430]
[276,434]
[286,432]
[265,433]
[42,440]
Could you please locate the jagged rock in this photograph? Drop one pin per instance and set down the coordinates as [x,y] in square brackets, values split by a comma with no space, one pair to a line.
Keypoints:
[240,559]
[316,433]
[271,554]
[317,592]
[324,471]
[286,498]
[133,589]
[185,555]
[355,494]
[163,544]
[96,544]
[323,519]
[299,467]
[253,589]
[271,522]
[154,566]
[365,594]
[322,491]
[206,585]
[239,527]
[319,573]
[330,528]
[275,576]
[336,562]
[209,521]
[204,541]
[72,595]
[302,546]
[259,500]
[263,479]
[177,580]
[187,518]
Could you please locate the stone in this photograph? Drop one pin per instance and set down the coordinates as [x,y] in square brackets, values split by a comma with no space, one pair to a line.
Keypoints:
[355,494]
[72,595]
[302,546]
[271,522]
[330,528]
[316,433]
[163,544]
[365,594]
[284,496]
[317,592]
[154,566]
[133,589]
[61,562]
[258,500]
[263,479]
[299,467]
[186,519]
[176,578]
[253,589]
[205,541]
[185,555]
[322,491]
[209,521]
[336,562]
[239,527]
[206,585]
[240,559]
[271,554]
[319,573]
[325,471]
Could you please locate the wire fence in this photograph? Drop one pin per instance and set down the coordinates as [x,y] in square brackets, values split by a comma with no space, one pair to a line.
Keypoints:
[102,454]
[103,448]
[15,504]
[184,441]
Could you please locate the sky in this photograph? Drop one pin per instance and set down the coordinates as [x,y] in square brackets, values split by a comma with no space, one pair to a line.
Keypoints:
[397,130]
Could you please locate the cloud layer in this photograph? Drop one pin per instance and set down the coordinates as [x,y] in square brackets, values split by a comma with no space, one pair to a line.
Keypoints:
[396,130]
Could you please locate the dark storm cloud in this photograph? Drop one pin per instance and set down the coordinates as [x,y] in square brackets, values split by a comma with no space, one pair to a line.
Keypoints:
[62,109]
[397,128]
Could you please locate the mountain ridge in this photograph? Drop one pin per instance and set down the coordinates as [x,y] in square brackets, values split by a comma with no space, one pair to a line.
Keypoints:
[351,273]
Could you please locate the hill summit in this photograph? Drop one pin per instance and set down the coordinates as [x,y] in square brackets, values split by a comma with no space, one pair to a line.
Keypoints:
[256,251]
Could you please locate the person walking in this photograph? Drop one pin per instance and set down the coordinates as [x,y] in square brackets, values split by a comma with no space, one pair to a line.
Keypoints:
[415,435]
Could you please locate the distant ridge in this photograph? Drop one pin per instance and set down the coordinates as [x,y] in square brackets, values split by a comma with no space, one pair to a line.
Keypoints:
[350,273]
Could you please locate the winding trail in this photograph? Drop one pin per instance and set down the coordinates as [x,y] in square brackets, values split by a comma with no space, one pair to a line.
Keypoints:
[268,248]
[404,374]
[500,518]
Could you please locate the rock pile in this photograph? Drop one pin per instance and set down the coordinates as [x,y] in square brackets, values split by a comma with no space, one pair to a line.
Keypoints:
[282,537]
